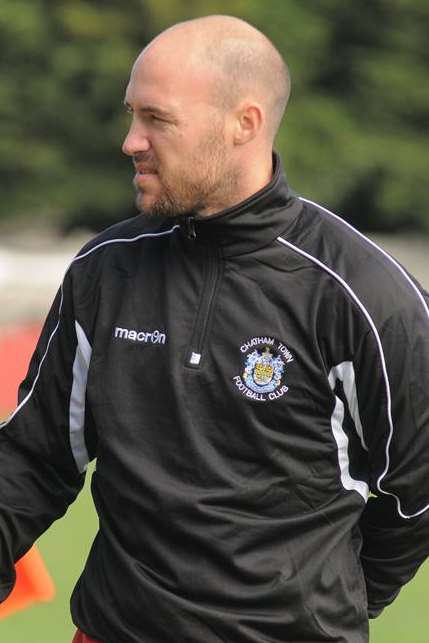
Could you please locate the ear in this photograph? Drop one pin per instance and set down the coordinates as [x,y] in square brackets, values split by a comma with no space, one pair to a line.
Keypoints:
[248,123]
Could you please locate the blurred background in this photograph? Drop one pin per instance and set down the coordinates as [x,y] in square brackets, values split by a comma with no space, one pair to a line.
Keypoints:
[355,139]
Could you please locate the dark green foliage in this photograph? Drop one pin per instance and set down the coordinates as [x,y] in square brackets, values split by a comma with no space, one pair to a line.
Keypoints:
[63,70]
[355,137]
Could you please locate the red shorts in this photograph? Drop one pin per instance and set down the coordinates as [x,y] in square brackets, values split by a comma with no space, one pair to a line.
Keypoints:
[80,637]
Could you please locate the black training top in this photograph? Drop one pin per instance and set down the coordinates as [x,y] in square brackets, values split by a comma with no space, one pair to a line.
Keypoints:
[246,381]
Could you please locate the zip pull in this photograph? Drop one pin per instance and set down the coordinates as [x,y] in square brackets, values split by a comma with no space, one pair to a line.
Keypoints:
[190,228]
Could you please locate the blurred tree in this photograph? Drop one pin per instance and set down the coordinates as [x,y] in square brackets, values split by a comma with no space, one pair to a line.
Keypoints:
[63,70]
[355,136]
[364,114]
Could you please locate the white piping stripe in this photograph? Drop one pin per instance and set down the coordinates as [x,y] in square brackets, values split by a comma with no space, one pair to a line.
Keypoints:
[78,398]
[383,252]
[342,441]
[145,235]
[383,366]
[78,258]
[345,372]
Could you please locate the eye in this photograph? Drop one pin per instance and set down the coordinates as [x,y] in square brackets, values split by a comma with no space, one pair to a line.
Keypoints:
[157,118]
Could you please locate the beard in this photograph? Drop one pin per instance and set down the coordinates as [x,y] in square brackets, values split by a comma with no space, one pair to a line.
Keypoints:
[167,205]
[206,184]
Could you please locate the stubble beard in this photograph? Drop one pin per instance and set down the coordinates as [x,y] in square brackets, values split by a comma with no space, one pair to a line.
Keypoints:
[211,190]
[165,206]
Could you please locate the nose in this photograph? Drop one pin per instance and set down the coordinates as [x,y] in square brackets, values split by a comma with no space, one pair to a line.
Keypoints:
[136,140]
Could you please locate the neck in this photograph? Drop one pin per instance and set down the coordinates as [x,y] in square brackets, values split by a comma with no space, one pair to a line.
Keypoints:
[257,175]
[249,178]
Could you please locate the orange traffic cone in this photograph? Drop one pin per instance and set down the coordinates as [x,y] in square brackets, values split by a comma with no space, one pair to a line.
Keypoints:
[33,584]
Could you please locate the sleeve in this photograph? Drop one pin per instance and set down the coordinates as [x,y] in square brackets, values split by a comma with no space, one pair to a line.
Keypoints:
[392,373]
[44,443]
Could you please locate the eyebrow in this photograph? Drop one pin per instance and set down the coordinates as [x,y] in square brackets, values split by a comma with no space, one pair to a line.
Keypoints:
[152,109]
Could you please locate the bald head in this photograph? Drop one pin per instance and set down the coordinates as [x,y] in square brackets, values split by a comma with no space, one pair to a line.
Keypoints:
[239,61]
[206,98]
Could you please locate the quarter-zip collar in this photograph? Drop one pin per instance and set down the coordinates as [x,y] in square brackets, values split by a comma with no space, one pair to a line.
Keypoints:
[251,224]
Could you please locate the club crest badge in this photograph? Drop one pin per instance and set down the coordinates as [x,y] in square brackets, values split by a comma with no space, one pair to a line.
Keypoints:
[265,361]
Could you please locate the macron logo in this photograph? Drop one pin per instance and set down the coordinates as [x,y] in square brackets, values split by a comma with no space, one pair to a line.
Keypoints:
[155,337]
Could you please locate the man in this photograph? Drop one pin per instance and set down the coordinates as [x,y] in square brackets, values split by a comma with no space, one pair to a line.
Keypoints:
[250,372]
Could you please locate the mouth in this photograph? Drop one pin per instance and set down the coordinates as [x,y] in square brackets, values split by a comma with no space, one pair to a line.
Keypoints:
[144,169]
[143,173]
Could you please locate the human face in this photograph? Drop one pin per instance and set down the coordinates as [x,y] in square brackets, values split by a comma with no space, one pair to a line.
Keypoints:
[176,140]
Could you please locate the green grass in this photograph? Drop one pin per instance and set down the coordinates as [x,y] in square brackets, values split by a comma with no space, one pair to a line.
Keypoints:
[407,619]
[65,546]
